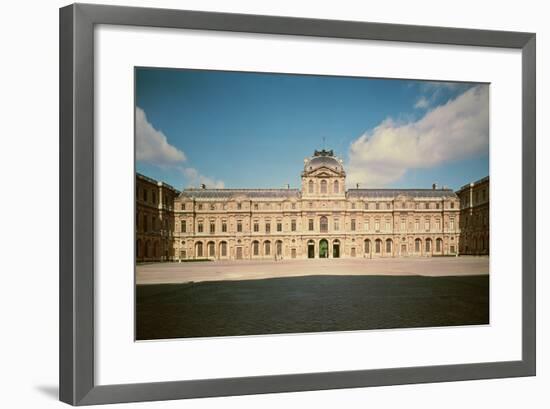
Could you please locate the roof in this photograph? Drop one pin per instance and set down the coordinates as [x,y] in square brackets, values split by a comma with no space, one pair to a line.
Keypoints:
[477,182]
[156,182]
[230,193]
[427,193]
[322,159]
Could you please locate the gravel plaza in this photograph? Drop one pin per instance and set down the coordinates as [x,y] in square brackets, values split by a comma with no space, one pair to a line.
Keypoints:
[164,273]
[204,299]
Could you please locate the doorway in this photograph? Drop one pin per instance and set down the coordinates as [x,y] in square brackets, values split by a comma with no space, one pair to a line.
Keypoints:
[336,249]
[311,249]
[239,253]
[323,249]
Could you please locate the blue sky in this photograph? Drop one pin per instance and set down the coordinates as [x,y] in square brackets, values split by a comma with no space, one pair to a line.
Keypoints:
[236,129]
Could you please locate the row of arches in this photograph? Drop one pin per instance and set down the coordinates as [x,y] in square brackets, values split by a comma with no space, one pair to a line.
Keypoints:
[148,249]
[318,248]
[324,187]
[476,245]
[375,247]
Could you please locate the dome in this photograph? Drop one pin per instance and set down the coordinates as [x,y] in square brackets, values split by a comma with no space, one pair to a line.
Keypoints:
[323,159]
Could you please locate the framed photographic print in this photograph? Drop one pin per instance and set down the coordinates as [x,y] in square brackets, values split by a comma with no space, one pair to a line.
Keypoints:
[256,204]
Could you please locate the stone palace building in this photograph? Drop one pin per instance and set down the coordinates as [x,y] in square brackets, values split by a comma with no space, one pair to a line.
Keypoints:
[474,217]
[322,219]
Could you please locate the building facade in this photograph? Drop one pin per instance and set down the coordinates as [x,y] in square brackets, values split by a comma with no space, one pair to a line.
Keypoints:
[322,219]
[474,217]
[154,219]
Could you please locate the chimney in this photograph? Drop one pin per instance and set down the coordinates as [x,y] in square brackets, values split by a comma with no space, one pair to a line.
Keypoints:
[357,185]
[288,185]
[434,186]
[203,186]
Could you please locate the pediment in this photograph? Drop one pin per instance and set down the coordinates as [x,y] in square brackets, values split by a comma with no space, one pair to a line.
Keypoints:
[325,172]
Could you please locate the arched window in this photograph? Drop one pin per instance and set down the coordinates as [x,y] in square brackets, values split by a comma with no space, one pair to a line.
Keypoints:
[336,187]
[417,245]
[310,186]
[323,186]
[378,246]
[389,246]
[324,224]
[267,248]
[279,247]
[198,249]
[438,245]
[367,246]
[223,249]
[256,248]
[428,245]
[211,249]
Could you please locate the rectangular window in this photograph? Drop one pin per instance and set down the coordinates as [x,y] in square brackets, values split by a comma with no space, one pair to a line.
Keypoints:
[403,225]
[224,226]
[183,226]
[256,226]
[427,225]
[310,224]
[377,206]
[212,227]
[200,206]
[388,225]
[294,205]
[377,225]
[336,224]
[267,227]
[239,206]
[199,227]
[352,224]
[255,206]
[452,223]
[417,225]
[183,206]
[293,225]
[154,198]
[279,226]
[239,226]
[437,225]
[367,224]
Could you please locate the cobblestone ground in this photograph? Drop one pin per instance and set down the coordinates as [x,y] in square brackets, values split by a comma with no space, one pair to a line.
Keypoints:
[373,294]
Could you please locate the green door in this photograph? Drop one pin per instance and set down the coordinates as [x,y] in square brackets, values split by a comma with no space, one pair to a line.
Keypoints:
[323,249]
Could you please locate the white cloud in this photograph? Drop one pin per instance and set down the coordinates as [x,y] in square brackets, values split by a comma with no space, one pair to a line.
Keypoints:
[194,178]
[456,130]
[422,103]
[152,145]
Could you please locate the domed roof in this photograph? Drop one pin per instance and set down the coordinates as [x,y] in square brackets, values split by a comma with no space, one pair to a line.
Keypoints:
[323,159]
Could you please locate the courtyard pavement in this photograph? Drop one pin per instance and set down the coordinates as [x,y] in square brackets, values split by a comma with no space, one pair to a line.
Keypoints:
[166,273]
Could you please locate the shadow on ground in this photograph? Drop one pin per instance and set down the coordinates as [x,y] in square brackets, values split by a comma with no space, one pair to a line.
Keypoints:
[309,304]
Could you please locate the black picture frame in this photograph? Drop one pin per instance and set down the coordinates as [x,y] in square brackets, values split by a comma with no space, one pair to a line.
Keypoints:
[77,385]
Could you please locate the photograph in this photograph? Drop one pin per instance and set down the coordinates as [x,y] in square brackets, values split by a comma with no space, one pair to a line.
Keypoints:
[288,203]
